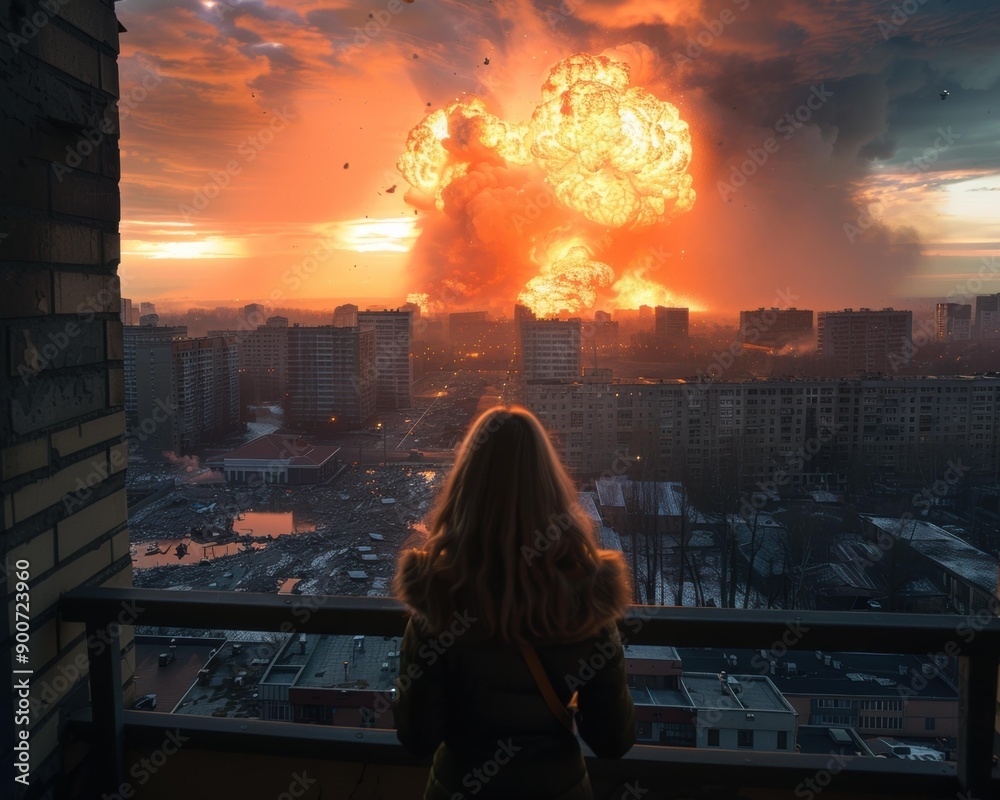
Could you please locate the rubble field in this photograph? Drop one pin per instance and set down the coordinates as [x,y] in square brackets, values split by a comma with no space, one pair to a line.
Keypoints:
[339,538]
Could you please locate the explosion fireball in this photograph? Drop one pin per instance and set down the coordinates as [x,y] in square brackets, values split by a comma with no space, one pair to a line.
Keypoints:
[600,161]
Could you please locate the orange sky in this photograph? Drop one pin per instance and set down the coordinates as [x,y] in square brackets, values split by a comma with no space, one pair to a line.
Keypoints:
[239,119]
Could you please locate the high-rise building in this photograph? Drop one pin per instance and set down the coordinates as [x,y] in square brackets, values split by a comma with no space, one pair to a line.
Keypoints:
[254,314]
[551,349]
[146,308]
[133,334]
[149,320]
[345,316]
[988,316]
[186,391]
[467,331]
[954,322]
[865,340]
[264,358]
[776,327]
[331,376]
[805,432]
[126,314]
[393,371]
[671,326]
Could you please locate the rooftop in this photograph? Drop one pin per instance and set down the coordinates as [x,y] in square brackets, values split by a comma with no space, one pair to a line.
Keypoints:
[317,662]
[858,674]
[755,693]
[669,497]
[946,549]
[274,447]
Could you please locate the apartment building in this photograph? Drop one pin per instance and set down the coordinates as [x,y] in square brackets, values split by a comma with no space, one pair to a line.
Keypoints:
[776,327]
[865,340]
[264,358]
[988,316]
[331,376]
[551,349]
[393,370]
[143,333]
[809,431]
[671,326]
[953,322]
[186,392]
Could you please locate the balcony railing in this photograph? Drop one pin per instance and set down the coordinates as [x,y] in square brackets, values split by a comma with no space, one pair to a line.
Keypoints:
[975,642]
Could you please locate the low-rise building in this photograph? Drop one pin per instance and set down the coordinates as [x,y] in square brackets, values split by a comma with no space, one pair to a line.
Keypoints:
[279,459]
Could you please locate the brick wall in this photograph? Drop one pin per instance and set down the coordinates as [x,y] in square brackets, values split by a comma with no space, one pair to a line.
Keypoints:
[62,426]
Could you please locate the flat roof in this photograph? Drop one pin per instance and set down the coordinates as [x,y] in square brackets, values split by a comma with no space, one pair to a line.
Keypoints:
[321,666]
[652,652]
[860,674]
[946,549]
[756,692]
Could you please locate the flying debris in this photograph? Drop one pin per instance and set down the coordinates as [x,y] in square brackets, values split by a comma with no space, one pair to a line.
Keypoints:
[346,164]
[486,61]
[391,189]
[944,94]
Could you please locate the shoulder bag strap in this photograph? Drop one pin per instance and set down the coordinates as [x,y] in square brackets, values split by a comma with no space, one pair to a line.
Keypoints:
[559,711]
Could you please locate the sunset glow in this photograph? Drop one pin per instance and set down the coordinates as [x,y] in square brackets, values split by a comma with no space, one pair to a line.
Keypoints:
[566,155]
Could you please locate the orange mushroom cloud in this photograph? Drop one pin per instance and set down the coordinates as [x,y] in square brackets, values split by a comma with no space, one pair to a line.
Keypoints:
[611,156]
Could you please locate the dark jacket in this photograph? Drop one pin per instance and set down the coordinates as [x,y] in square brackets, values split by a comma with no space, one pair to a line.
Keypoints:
[476,707]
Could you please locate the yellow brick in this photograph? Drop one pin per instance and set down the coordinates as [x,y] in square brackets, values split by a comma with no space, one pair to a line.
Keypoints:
[118,457]
[46,593]
[44,739]
[39,551]
[44,643]
[85,293]
[89,433]
[115,340]
[72,483]
[90,522]
[116,387]
[119,545]
[51,686]
[25,457]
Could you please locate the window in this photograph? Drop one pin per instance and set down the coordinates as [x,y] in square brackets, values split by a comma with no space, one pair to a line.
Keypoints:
[713,737]
[744,739]
[929,723]
[782,740]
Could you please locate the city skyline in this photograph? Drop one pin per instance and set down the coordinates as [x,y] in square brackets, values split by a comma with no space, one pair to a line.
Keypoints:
[293,120]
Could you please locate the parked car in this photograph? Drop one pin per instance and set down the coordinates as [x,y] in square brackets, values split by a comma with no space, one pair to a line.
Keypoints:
[145,703]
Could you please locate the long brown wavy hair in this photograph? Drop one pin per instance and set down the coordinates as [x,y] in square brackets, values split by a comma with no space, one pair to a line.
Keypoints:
[509,543]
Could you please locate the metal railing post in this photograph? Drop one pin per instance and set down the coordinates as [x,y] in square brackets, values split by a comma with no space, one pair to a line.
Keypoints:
[107,709]
[977,711]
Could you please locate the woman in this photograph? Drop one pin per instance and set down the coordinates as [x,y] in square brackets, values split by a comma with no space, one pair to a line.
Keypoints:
[511,573]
